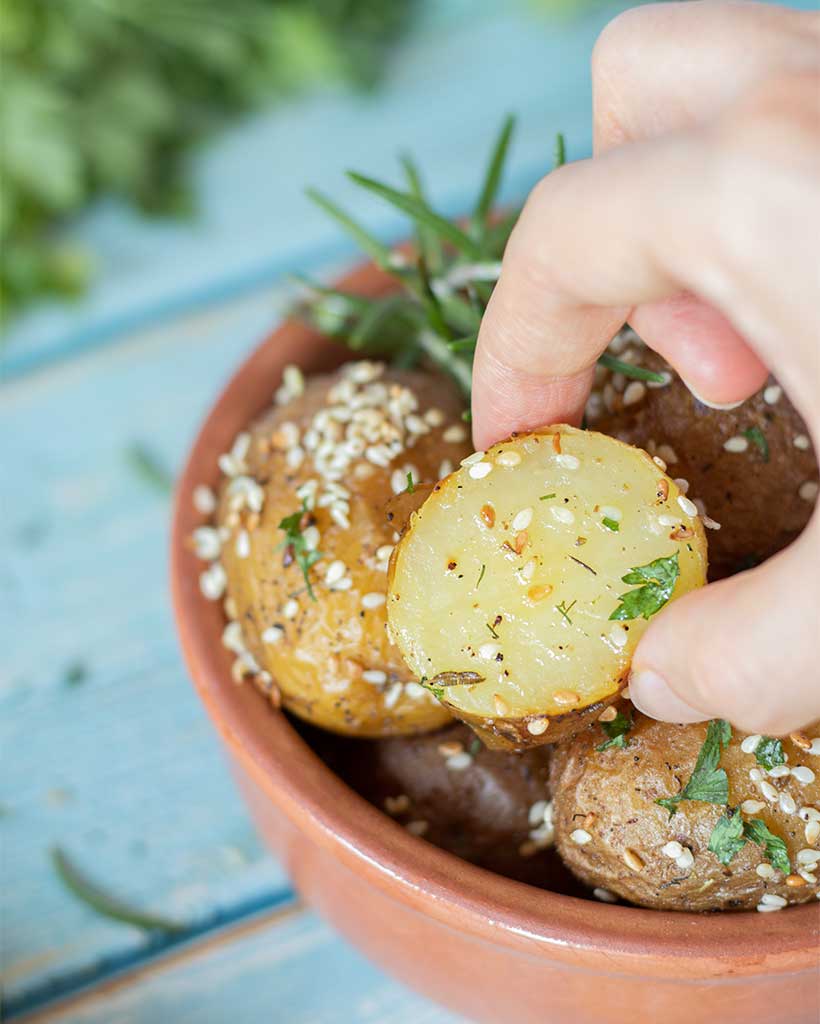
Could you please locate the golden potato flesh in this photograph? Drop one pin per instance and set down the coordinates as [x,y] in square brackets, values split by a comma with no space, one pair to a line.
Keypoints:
[307,602]
[521,587]
[613,835]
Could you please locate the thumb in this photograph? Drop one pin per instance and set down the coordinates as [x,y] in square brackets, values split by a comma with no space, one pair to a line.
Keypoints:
[744,649]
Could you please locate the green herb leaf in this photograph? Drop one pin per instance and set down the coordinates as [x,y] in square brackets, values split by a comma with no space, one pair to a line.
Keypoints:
[616,730]
[411,487]
[559,152]
[630,371]
[475,747]
[492,631]
[769,752]
[611,524]
[103,902]
[565,609]
[295,540]
[774,848]
[657,581]
[481,575]
[427,240]
[758,439]
[146,465]
[727,838]
[492,178]
[546,497]
[376,250]
[708,783]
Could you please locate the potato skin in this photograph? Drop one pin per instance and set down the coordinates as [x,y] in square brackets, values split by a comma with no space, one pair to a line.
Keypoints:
[757,502]
[611,794]
[318,663]
[479,812]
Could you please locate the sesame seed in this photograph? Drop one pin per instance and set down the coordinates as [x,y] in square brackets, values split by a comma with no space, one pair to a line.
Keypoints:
[311,537]
[206,543]
[634,392]
[471,460]
[750,744]
[809,813]
[709,523]
[771,899]
[536,812]
[666,520]
[565,697]
[458,762]
[808,857]
[272,635]
[434,417]
[633,859]
[450,748]
[204,499]
[232,638]
[243,544]
[755,774]
[376,676]
[682,484]
[528,570]
[395,805]
[768,790]
[815,746]
[345,583]
[808,490]
[689,507]
[418,692]
[659,462]
[618,635]
[373,600]
[765,871]
[539,592]
[487,652]
[608,714]
[604,895]
[508,459]
[667,453]
[800,739]
[580,837]
[335,571]
[772,394]
[291,609]
[522,519]
[611,512]
[686,860]
[568,461]
[764,908]
[213,581]
[809,876]
[445,469]
[752,806]
[780,771]
[384,552]
[537,726]
[502,708]
[563,515]
[736,444]
[805,776]
[416,425]
[398,481]
[812,831]
[417,828]
[787,804]
[672,849]
[391,695]
[454,434]
[801,442]
[480,469]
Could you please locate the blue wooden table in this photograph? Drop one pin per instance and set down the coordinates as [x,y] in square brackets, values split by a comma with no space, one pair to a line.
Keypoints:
[105,750]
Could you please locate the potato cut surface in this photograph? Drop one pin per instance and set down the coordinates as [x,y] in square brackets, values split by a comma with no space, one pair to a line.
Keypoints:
[513,572]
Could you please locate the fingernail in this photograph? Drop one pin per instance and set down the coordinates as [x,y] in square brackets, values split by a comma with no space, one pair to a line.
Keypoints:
[651,694]
[720,406]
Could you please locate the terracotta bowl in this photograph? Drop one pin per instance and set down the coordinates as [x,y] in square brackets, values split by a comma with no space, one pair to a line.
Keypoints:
[490,948]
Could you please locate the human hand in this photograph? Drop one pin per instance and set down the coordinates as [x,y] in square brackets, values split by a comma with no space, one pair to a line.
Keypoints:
[698,223]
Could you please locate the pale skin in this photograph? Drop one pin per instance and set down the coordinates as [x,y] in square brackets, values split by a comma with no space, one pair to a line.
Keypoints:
[697,221]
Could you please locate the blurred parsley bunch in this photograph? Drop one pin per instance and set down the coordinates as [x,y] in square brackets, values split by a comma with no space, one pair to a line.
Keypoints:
[108,95]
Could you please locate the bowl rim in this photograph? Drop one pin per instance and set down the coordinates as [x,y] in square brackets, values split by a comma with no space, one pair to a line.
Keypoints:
[462,896]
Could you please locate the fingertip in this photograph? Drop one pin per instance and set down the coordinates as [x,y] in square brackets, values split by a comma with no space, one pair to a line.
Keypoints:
[652,695]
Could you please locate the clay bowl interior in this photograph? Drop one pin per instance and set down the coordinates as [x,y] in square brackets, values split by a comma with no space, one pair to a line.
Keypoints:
[489,947]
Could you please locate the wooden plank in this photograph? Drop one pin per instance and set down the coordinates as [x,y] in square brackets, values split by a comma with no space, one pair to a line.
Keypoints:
[121,768]
[289,969]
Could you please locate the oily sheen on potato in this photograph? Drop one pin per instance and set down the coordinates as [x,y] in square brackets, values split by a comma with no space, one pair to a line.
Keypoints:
[521,587]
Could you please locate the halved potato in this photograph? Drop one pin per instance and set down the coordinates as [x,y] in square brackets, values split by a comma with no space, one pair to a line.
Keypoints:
[521,587]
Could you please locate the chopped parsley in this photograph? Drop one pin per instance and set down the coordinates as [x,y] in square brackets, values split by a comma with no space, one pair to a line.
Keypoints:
[731,833]
[758,439]
[481,575]
[295,541]
[708,783]
[495,635]
[657,582]
[411,487]
[611,524]
[769,753]
[565,609]
[467,416]
[546,497]
[616,730]
[475,747]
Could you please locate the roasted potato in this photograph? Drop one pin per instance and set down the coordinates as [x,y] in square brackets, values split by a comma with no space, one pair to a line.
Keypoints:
[612,833]
[488,807]
[753,467]
[305,542]
[522,585]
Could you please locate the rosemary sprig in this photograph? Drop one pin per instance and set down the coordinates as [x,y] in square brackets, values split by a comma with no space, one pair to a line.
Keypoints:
[103,902]
[295,543]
